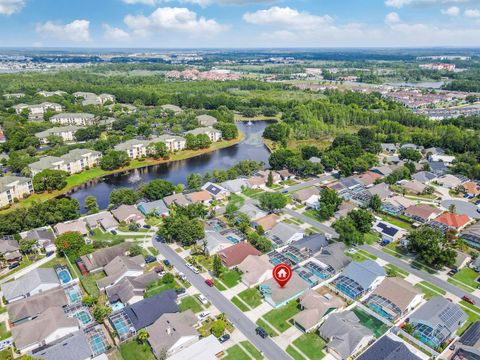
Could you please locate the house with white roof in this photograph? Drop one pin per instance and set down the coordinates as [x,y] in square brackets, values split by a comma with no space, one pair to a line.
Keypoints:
[79,119]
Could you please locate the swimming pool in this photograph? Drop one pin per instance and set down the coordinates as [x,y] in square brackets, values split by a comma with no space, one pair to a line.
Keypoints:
[97,344]
[64,275]
[117,306]
[233,239]
[74,295]
[121,326]
[84,317]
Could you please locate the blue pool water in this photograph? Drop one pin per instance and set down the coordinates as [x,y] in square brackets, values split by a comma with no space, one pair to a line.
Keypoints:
[74,295]
[121,327]
[233,239]
[117,306]
[64,276]
[97,344]
[84,317]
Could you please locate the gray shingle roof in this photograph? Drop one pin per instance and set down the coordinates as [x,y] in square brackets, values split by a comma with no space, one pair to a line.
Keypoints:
[73,347]
[28,282]
[363,273]
[387,348]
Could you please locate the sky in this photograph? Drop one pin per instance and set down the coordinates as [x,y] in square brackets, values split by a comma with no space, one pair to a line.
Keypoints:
[239,23]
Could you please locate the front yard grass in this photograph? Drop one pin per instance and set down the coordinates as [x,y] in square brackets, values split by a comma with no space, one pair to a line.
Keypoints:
[238,303]
[191,303]
[395,221]
[429,290]
[371,322]
[89,283]
[311,345]
[251,297]
[252,350]
[371,238]
[230,278]
[153,250]
[361,255]
[132,350]
[395,269]
[6,354]
[252,193]
[294,353]
[4,333]
[271,332]
[158,287]
[236,353]
[58,260]
[472,317]
[279,318]
[468,277]
[25,262]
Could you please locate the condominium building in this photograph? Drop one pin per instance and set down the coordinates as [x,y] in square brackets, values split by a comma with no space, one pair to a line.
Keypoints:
[174,143]
[79,119]
[12,187]
[73,162]
[213,134]
[134,148]
[67,133]
[38,110]
[93,99]
[51,93]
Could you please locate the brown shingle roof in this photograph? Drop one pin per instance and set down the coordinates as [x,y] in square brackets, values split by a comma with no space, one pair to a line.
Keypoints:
[235,254]
[268,222]
[422,211]
[398,291]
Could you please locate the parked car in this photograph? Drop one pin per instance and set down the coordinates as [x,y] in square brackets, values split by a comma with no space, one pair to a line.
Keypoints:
[114,232]
[159,238]
[182,276]
[223,338]
[166,262]
[13,265]
[384,242]
[451,347]
[452,272]
[180,291]
[146,226]
[468,299]
[203,315]
[202,299]
[209,282]
[150,259]
[262,332]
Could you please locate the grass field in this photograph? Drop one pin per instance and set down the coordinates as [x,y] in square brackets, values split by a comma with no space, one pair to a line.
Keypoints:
[252,193]
[429,290]
[370,322]
[134,351]
[252,350]
[395,221]
[236,353]
[466,276]
[238,303]
[89,283]
[61,261]
[271,332]
[230,278]
[400,272]
[6,354]
[160,287]
[191,303]
[4,333]
[251,297]
[279,317]
[311,345]
[294,353]
[361,255]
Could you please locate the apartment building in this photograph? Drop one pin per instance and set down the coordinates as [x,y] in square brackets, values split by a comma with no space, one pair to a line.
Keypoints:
[93,99]
[51,93]
[12,187]
[38,110]
[214,134]
[135,148]
[73,162]
[79,119]
[67,133]
[174,143]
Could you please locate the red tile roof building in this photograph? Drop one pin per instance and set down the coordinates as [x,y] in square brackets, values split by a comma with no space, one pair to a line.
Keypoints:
[456,221]
[235,254]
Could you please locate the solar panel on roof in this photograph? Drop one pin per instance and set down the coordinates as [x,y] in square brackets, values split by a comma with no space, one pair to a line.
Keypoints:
[450,316]
[472,335]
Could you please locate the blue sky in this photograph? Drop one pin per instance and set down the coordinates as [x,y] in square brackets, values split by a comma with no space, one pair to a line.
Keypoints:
[239,23]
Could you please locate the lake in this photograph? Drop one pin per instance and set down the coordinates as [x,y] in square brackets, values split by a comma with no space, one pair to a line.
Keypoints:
[250,148]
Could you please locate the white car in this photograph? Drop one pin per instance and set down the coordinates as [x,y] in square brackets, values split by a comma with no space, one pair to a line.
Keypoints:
[202,299]
[203,315]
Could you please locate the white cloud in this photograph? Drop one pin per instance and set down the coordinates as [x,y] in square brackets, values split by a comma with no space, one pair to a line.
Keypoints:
[175,19]
[287,17]
[114,33]
[392,18]
[202,3]
[451,11]
[472,13]
[76,31]
[397,3]
[145,2]
[9,7]
[401,3]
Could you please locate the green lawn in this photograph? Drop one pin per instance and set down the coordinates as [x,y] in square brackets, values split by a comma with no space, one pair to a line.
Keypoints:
[252,350]
[25,262]
[89,283]
[371,238]
[153,250]
[252,193]
[251,297]
[230,278]
[361,255]
[313,214]
[429,289]
[311,345]
[236,199]
[159,287]
[271,332]
[472,317]
[400,272]
[191,303]
[236,353]
[6,354]
[370,322]
[466,276]
[4,334]
[99,235]
[238,303]
[395,221]
[134,351]
[294,353]
[279,317]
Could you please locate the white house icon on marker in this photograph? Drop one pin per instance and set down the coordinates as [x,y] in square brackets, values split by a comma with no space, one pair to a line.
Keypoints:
[282,273]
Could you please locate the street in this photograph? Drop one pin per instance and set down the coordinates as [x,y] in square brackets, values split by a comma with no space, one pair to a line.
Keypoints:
[267,346]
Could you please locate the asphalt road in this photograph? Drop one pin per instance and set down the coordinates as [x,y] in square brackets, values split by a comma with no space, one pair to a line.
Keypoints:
[308,183]
[326,229]
[269,348]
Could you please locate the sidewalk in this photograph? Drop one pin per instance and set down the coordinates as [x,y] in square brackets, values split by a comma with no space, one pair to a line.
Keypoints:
[26,270]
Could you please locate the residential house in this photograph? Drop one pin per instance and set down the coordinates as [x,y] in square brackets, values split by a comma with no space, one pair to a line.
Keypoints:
[14,187]
[436,321]
[392,347]
[215,242]
[283,234]
[345,334]
[285,174]
[461,260]
[43,237]
[74,346]
[119,268]
[157,207]
[313,202]
[173,108]
[388,148]
[103,220]
[305,194]
[315,160]
[394,298]
[368,178]
[202,197]
[14,96]
[383,170]
[172,333]
[49,327]
[31,307]
[266,222]
[315,306]
[396,205]
[71,226]
[471,188]
[265,174]
[75,161]
[67,133]
[206,120]
[413,186]
[208,348]
[177,199]
[471,235]
[252,211]
[344,209]
[438,167]
[411,146]
[358,278]
[256,182]
[434,151]
[125,108]
[446,159]
[422,212]
[234,255]
[174,143]
[330,261]
[10,251]
[382,190]
[79,119]
[468,346]
[255,269]
[277,296]
[51,93]
[454,221]
[128,214]
[98,259]
[235,186]
[449,181]
[32,283]
[217,191]
[425,177]
[214,134]
[130,290]
[387,231]
[89,98]
[36,112]
[311,244]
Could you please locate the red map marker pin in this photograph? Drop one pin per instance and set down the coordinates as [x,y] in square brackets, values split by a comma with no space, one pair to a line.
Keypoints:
[282,273]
